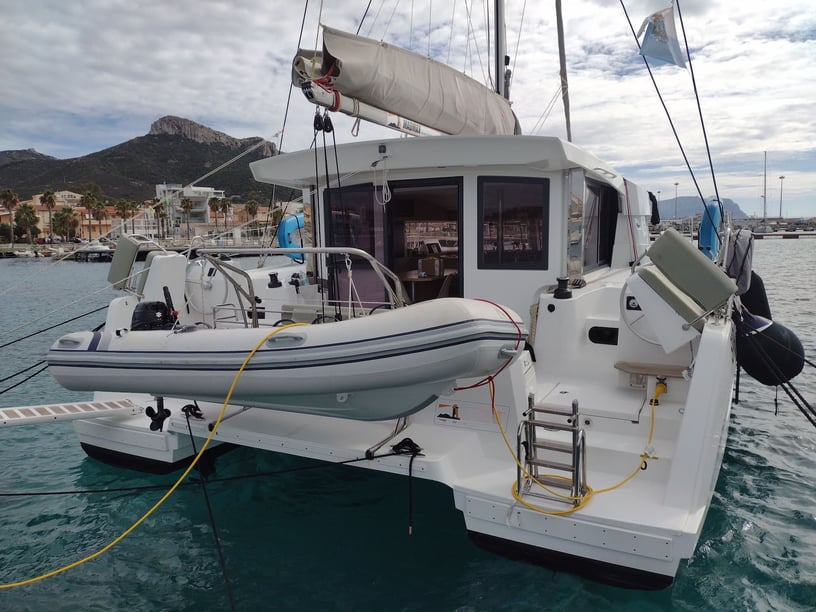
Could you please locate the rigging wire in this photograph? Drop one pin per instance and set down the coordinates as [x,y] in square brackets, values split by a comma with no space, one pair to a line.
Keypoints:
[430,13]
[488,32]
[450,38]
[390,18]
[472,33]
[700,113]
[671,122]
[365,14]
[291,87]
[545,114]
[376,17]
[518,41]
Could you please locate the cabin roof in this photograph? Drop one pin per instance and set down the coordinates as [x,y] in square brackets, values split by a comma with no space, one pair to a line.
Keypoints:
[538,153]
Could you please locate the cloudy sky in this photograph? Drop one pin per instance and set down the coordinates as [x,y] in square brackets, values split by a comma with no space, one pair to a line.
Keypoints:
[82,75]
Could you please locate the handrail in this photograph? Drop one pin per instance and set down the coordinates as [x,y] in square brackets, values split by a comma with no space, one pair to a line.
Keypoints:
[395,293]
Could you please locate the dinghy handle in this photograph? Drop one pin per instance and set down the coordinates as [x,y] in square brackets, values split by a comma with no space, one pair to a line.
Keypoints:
[290,339]
[509,351]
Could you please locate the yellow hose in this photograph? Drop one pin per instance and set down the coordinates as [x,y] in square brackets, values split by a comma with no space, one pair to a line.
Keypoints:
[172,489]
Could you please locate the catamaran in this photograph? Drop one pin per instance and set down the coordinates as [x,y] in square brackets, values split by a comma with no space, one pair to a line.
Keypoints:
[568,379]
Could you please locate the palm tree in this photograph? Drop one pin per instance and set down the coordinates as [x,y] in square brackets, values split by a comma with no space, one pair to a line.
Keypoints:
[134,208]
[251,209]
[158,212]
[66,221]
[122,210]
[100,212]
[215,206]
[26,218]
[88,201]
[187,207]
[226,205]
[49,200]
[10,200]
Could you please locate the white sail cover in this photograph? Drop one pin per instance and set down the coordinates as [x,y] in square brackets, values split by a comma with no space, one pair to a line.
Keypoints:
[404,83]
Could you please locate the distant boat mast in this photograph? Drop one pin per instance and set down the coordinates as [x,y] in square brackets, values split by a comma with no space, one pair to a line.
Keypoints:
[765,189]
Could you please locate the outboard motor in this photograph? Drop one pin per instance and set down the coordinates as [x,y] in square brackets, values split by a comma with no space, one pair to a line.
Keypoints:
[150,316]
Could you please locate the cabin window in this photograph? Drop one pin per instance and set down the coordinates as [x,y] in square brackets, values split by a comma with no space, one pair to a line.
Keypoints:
[601,215]
[514,216]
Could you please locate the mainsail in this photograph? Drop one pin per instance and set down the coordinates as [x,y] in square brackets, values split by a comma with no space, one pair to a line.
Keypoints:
[404,83]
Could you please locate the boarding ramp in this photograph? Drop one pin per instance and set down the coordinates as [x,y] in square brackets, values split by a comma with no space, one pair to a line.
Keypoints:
[68,411]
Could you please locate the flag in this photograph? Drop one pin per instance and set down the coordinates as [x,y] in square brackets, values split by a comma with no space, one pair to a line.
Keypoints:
[660,41]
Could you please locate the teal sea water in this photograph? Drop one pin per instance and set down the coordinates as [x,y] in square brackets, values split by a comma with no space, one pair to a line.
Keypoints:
[335,538]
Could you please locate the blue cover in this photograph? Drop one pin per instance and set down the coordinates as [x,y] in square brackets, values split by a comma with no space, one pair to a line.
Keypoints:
[707,241]
[288,226]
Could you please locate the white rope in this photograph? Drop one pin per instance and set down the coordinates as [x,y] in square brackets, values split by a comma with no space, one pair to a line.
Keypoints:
[386,190]
[353,295]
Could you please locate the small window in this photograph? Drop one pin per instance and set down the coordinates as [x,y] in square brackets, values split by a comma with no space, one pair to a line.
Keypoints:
[514,217]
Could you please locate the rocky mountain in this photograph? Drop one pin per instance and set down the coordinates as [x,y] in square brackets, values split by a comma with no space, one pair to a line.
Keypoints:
[175,150]
[9,157]
[689,206]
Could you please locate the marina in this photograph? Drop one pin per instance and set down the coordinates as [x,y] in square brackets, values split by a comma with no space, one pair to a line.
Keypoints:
[483,337]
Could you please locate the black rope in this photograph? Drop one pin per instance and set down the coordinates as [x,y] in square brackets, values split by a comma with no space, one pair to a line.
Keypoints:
[187,411]
[335,274]
[195,481]
[291,84]
[52,327]
[10,376]
[404,447]
[27,378]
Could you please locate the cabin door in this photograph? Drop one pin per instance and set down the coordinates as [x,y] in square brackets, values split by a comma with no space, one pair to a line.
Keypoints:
[423,237]
[415,232]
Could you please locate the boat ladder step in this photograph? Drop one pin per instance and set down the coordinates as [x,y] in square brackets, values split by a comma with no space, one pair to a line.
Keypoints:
[557,410]
[551,481]
[69,411]
[542,436]
[550,425]
[553,445]
[553,465]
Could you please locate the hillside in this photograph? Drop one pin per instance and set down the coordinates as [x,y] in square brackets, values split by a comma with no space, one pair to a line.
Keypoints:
[175,150]
[10,157]
[689,206]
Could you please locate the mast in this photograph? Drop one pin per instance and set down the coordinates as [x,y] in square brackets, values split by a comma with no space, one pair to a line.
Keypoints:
[501,59]
[562,57]
[765,189]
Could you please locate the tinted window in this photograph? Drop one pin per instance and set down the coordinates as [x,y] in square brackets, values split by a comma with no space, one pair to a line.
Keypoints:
[514,215]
